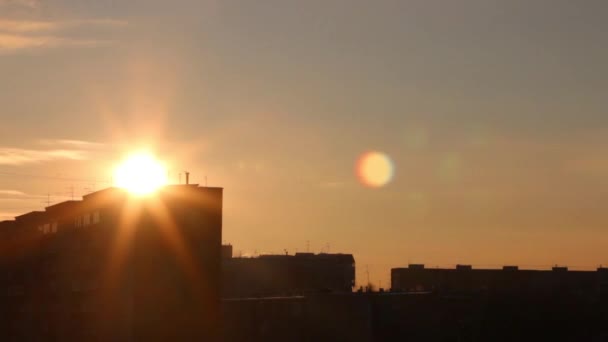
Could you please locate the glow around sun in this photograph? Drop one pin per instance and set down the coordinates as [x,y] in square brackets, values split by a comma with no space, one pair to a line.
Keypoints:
[140,174]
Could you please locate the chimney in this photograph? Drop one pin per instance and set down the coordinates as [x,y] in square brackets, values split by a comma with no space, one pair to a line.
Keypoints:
[187,177]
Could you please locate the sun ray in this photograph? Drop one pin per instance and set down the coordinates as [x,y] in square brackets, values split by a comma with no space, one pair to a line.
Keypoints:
[118,253]
[177,245]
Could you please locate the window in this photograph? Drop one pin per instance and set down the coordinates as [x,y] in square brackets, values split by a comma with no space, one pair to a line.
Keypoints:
[46,228]
[86,220]
[96,217]
[54,227]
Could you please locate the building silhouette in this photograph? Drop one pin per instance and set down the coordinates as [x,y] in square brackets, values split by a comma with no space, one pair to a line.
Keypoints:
[281,275]
[114,267]
[418,316]
[463,278]
[459,304]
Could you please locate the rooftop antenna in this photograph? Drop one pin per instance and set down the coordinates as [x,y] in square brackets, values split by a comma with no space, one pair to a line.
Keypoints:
[71,192]
[285,250]
[47,201]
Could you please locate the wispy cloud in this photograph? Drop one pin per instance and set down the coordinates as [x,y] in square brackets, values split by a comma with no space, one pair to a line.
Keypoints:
[22,26]
[38,26]
[17,156]
[28,4]
[4,192]
[72,142]
[14,196]
[28,34]
[50,149]
[12,43]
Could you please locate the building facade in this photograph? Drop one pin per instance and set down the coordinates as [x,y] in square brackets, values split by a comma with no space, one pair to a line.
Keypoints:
[114,267]
[463,278]
[281,275]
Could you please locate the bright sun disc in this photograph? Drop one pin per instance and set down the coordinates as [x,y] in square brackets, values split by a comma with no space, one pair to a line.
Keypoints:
[140,174]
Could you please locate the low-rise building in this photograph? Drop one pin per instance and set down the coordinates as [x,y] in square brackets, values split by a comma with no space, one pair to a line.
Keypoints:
[280,275]
[464,278]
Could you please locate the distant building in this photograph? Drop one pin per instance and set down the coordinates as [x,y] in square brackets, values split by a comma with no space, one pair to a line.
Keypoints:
[278,275]
[418,316]
[114,268]
[314,317]
[508,279]
[226,252]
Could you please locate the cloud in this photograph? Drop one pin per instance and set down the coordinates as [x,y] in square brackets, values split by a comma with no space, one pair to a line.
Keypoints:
[28,4]
[11,193]
[22,26]
[8,195]
[17,156]
[39,26]
[73,143]
[51,149]
[23,34]
[11,43]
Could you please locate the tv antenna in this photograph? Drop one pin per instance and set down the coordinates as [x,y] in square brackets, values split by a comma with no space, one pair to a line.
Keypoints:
[47,201]
[71,192]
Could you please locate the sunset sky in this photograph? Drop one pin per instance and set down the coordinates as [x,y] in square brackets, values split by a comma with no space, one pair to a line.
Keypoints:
[493,113]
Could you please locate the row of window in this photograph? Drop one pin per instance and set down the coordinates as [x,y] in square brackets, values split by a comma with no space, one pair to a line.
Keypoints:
[80,221]
[87,219]
[48,228]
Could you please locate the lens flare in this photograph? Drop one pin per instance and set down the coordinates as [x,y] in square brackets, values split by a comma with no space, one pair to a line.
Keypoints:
[140,174]
[375,169]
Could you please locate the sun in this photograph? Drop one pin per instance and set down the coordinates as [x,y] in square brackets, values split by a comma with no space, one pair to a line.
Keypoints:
[140,174]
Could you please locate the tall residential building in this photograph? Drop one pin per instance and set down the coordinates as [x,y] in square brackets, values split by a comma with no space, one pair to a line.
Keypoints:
[114,267]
